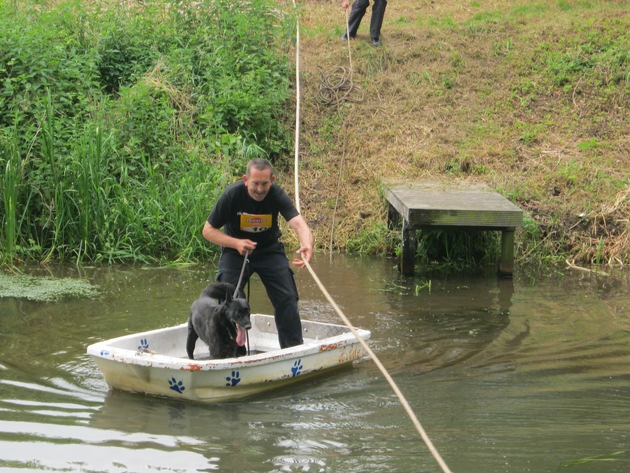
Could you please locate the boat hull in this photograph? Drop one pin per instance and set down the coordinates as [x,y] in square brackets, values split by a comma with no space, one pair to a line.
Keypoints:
[155,362]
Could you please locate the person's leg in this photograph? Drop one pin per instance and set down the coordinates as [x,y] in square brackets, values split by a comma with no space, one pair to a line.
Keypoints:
[378,13]
[357,12]
[277,277]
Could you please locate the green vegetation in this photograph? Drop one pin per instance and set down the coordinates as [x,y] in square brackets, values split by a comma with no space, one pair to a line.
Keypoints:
[121,121]
[611,457]
[45,289]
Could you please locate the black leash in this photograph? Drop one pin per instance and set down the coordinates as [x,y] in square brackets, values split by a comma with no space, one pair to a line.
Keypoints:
[249,286]
[240,280]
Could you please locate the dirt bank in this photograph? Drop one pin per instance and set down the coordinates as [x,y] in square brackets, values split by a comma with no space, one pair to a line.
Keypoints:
[531,100]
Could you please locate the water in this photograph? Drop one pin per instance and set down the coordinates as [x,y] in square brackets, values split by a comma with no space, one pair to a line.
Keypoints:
[529,375]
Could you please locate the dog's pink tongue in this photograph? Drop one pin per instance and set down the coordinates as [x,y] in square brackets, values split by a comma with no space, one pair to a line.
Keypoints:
[241,336]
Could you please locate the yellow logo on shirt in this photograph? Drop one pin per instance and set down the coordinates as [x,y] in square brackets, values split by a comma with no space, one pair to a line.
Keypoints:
[255,223]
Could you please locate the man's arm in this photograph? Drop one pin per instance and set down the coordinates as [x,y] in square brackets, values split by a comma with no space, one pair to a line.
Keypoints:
[218,237]
[303,232]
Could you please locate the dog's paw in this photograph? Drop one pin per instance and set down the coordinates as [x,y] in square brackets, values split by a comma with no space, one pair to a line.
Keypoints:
[297,367]
[144,344]
[176,386]
[234,379]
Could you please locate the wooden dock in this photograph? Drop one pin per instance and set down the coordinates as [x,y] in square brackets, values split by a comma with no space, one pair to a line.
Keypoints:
[430,205]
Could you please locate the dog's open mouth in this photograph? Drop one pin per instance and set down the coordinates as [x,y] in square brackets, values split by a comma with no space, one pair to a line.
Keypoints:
[241,335]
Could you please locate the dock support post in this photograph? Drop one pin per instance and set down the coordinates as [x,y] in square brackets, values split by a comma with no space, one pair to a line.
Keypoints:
[409,245]
[506,263]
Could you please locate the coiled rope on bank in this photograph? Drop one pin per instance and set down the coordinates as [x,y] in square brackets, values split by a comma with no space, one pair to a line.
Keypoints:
[336,86]
[368,350]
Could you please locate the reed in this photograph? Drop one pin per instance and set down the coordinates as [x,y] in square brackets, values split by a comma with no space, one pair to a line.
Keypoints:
[90,195]
[54,196]
[458,249]
[11,179]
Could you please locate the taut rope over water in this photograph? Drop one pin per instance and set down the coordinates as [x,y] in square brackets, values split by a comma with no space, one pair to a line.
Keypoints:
[385,373]
[366,347]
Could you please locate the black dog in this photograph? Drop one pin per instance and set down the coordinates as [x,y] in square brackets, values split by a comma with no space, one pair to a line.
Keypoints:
[220,321]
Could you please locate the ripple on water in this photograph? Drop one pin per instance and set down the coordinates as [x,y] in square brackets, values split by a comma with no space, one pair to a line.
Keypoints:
[543,389]
[49,432]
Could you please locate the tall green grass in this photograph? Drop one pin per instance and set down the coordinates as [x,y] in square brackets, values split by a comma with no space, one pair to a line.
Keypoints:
[120,123]
[11,179]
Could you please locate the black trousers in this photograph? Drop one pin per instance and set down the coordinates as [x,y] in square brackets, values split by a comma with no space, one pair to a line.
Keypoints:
[358,11]
[272,266]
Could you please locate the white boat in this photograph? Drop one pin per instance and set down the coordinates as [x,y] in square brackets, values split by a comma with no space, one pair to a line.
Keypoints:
[155,362]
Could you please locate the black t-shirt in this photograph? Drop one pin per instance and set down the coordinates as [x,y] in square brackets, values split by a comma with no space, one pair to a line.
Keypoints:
[243,217]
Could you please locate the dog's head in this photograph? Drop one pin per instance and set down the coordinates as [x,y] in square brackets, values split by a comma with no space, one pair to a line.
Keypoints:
[238,313]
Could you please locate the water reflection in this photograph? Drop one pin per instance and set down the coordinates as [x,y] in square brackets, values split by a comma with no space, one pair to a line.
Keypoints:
[529,374]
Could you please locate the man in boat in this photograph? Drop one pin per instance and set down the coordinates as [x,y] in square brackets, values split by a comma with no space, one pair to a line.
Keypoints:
[244,222]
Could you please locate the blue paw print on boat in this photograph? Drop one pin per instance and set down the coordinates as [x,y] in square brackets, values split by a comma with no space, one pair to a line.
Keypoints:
[297,367]
[144,344]
[234,379]
[176,386]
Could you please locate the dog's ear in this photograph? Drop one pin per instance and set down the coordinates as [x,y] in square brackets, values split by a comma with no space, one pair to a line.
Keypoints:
[228,295]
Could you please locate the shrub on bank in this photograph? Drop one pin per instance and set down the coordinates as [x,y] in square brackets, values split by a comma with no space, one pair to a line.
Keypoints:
[121,122]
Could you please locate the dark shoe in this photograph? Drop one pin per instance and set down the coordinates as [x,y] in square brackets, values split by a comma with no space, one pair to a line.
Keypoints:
[376,42]
[344,37]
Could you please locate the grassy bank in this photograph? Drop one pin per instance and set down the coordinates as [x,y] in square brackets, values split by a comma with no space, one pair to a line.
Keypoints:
[532,99]
[121,121]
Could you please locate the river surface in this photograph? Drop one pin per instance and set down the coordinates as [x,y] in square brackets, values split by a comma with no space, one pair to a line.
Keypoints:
[523,375]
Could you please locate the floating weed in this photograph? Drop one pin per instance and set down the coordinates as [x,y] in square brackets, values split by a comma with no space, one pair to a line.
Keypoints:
[425,285]
[44,289]
[611,457]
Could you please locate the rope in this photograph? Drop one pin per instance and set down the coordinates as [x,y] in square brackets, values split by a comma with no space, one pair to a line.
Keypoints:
[345,140]
[341,85]
[348,41]
[337,86]
[297,105]
[334,214]
[240,278]
[384,371]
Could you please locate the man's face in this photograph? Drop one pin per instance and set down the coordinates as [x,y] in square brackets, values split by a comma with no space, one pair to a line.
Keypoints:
[258,183]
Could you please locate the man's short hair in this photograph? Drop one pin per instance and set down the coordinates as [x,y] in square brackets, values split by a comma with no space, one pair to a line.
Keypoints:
[259,163]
